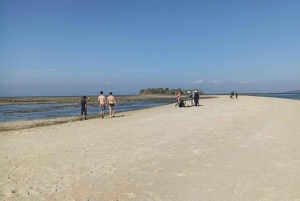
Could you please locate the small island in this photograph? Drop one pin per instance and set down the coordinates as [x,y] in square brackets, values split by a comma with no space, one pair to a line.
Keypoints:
[167,91]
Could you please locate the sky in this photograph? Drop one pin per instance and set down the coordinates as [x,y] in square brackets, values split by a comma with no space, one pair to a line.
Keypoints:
[70,48]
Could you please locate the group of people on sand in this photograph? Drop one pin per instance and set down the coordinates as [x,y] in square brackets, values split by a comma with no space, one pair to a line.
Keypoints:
[192,99]
[103,103]
[232,95]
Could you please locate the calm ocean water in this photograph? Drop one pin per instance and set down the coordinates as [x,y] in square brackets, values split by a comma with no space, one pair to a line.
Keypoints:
[43,111]
[286,96]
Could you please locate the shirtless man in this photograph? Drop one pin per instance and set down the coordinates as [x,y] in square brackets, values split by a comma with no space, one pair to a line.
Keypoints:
[102,104]
[111,104]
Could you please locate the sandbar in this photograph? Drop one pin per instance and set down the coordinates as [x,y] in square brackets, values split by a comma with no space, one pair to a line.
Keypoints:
[226,149]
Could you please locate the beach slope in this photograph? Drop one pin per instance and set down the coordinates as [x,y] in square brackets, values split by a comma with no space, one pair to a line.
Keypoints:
[226,149]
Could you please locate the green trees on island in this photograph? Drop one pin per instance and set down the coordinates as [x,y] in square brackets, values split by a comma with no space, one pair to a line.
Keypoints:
[167,91]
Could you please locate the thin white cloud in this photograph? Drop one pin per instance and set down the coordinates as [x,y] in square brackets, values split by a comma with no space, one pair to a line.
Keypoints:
[214,82]
[107,83]
[151,83]
[245,82]
[199,81]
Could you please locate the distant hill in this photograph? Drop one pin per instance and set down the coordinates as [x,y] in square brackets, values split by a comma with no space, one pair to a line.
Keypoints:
[293,92]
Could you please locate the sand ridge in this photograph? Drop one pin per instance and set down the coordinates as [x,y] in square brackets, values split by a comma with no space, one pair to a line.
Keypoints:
[226,149]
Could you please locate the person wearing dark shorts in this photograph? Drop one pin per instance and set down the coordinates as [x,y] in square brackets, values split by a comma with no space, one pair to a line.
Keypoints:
[196,98]
[83,107]
[111,104]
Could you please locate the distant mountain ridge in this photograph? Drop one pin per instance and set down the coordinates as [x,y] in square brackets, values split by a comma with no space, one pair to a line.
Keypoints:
[293,92]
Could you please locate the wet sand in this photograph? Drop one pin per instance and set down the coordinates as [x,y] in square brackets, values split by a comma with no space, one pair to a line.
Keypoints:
[226,149]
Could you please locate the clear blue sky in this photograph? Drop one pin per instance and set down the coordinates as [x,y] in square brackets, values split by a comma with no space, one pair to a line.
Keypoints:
[56,47]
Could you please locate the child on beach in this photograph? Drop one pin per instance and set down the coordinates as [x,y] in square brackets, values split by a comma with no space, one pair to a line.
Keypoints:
[83,107]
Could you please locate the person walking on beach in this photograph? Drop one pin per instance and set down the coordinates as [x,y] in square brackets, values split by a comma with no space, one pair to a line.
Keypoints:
[102,104]
[111,104]
[236,95]
[196,98]
[178,98]
[83,107]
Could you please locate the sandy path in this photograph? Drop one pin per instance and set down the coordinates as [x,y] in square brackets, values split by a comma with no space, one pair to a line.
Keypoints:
[245,149]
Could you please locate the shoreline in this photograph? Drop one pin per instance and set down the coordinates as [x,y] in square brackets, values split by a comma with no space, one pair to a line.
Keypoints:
[20,125]
[26,124]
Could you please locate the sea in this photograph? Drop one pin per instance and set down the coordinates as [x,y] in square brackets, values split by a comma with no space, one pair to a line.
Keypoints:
[10,113]
[279,95]
[27,112]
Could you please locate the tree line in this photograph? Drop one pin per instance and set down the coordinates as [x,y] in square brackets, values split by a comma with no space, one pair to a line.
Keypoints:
[167,91]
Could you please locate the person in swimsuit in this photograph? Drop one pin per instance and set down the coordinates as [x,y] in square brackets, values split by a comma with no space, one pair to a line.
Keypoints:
[102,104]
[111,104]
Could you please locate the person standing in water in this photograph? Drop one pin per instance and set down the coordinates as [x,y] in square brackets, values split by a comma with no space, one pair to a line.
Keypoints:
[102,104]
[111,104]
[83,107]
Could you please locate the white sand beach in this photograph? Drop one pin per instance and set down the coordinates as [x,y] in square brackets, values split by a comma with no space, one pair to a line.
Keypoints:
[227,149]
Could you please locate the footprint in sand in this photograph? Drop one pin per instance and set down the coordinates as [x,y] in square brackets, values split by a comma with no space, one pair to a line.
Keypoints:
[241,187]
[110,171]
[243,145]
[130,195]
[183,175]
[196,151]
[158,170]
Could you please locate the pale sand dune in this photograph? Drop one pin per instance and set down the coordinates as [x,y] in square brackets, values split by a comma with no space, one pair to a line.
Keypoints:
[245,149]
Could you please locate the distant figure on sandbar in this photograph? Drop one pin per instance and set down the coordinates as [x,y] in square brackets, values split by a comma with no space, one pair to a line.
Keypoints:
[232,94]
[196,98]
[190,96]
[102,104]
[236,95]
[83,107]
[111,104]
[193,98]
[178,98]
